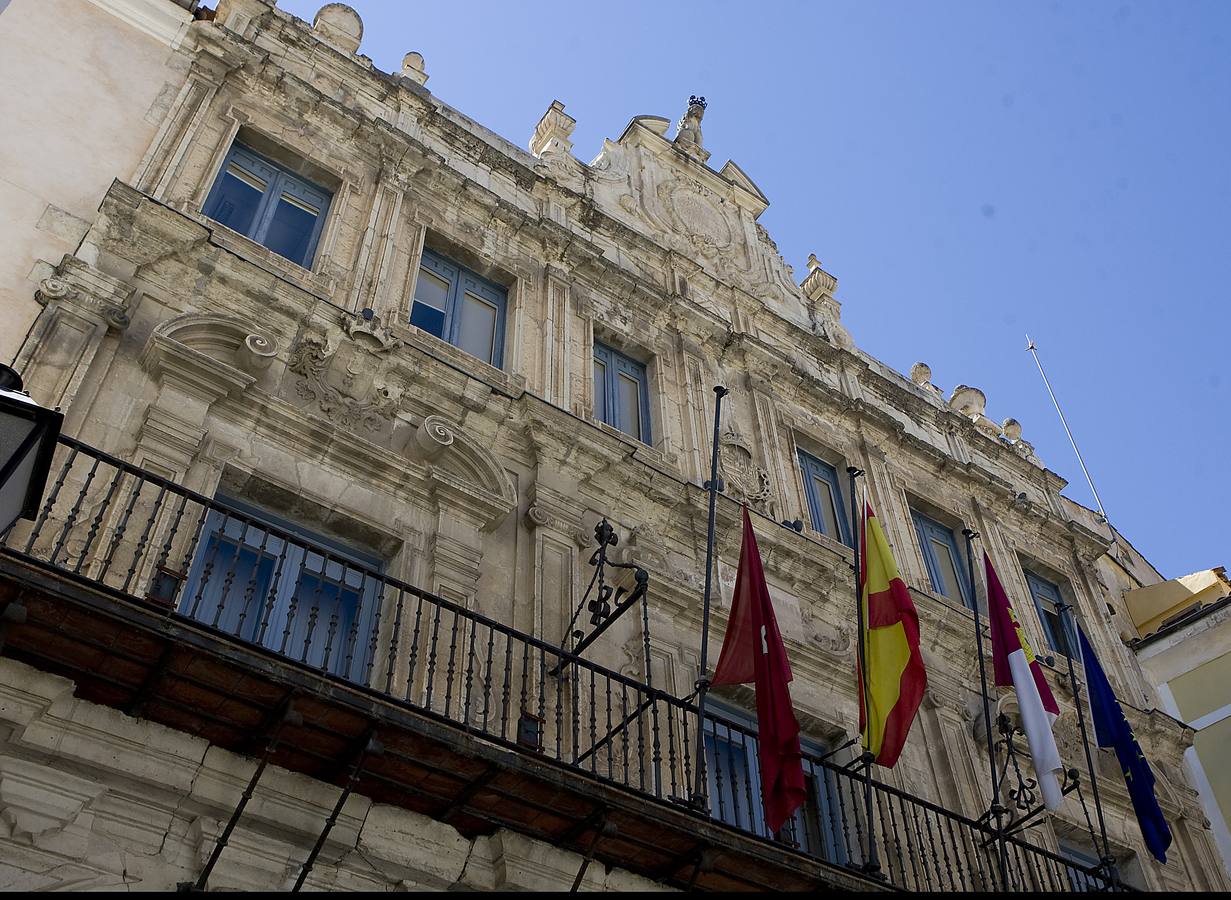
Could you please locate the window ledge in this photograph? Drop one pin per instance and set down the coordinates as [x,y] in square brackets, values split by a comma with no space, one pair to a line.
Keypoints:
[316,283]
[511,384]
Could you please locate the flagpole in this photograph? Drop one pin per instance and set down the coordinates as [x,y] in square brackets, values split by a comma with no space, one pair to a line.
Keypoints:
[1109,861]
[699,798]
[996,811]
[872,866]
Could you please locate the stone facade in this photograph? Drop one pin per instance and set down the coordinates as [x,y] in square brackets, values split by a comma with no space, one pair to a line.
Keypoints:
[201,355]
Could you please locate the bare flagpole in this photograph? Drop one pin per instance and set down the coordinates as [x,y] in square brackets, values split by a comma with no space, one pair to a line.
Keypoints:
[699,798]
[1033,350]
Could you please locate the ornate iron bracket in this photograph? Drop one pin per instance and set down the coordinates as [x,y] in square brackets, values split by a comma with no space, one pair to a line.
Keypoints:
[1023,797]
[604,602]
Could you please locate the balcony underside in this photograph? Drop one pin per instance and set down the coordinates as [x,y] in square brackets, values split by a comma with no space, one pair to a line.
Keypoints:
[134,656]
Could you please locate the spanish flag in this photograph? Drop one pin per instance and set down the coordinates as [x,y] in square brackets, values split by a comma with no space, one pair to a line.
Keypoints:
[896,679]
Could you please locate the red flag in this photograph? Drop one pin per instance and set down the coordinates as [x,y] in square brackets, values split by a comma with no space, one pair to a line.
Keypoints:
[752,651]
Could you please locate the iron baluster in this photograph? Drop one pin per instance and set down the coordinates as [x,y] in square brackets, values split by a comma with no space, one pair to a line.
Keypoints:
[912,847]
[117,536]
[431,658]
[191,551]
[414,650]
[881,804]
[314,613]
[469,677]
[250,590]
[50,503]
[610,755]
[593,725]
[378,612]
[230,577]
[507,686]
[70,520]
[103,509]
[207,570]
[139,550]
[487,683]
[272,600]
[292,609]
[675,788]
[395,639]
[451,669]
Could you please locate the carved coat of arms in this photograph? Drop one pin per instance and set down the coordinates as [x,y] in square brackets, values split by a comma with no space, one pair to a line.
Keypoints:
[347,373]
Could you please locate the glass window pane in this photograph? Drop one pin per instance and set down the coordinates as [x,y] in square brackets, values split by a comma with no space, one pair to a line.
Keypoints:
[628,398]
[230,590]
[600,392]
[235,204]
[431,298]
[477,332]
[948,571]
[825,500]
[291,229]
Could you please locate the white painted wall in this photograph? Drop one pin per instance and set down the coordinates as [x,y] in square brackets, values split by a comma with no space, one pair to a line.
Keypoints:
[83,87]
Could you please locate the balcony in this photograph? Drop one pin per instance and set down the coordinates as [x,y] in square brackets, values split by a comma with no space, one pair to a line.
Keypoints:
[209,618]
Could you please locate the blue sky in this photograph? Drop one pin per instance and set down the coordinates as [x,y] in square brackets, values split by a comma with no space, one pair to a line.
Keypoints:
[969,171]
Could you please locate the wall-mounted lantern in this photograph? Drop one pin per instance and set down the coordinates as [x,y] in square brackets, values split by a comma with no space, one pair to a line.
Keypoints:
[28,435]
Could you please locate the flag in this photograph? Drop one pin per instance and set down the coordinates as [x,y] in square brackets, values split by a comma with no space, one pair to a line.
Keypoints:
[1015,666]
[1111,729]
[752,651]
[896,678]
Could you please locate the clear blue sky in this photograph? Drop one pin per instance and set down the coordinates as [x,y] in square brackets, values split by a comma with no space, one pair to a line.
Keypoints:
[968,170]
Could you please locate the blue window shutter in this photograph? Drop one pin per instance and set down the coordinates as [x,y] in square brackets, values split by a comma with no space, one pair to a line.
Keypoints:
[1047,600]
[812,468]
[615,367]
[929,530]
[296,235]
[462,281]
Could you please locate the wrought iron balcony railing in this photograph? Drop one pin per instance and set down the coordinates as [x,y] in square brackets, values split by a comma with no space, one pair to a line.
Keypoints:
[229,569]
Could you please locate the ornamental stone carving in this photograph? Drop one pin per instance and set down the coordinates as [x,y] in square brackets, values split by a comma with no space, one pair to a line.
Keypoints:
[339,374]
[746,481]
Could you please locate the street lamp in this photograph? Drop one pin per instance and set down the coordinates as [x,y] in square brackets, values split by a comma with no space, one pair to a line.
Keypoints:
[28,435]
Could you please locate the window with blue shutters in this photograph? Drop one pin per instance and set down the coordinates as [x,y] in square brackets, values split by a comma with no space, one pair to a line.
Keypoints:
[733,776]
[621,392]
[1056,628]
[824,496]
[460,307]
[270,582]
[270,204]
[946,565]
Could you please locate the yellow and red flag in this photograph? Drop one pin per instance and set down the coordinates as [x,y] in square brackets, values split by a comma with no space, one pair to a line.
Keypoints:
[896,678]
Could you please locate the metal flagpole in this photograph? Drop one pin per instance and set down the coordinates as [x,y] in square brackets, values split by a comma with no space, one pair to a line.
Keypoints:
[872,864]
[996,811]
[699,798]
[1108,861]
[1034,351]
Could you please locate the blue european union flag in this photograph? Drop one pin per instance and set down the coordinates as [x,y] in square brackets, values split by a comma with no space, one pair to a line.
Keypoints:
[1111,729]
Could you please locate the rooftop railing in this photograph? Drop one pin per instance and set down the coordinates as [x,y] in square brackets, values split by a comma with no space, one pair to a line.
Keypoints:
[227,568]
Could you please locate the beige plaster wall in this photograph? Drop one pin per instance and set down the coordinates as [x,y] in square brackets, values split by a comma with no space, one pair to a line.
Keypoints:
[76,115]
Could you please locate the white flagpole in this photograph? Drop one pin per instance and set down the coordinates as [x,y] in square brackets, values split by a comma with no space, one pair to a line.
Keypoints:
[1034,351]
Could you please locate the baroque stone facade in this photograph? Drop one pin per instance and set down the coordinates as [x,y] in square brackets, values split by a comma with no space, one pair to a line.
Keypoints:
[197,353]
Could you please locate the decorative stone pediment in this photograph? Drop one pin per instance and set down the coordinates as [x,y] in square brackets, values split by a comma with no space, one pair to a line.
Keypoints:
[462,470]
[347,375]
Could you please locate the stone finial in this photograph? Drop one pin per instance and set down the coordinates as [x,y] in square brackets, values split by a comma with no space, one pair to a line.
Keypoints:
[921,374]
[339,26]
[819,285]
[412,67]
[969,401]
[1011,429]
[553,131]
[813,262]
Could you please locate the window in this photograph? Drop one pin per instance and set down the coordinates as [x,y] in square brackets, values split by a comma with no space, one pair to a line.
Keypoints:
[1060,637]
[621,392]
[733,777]
[458,306]
[313,600]
[825,506]
[946,566]
[268,203]
[1083,859]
